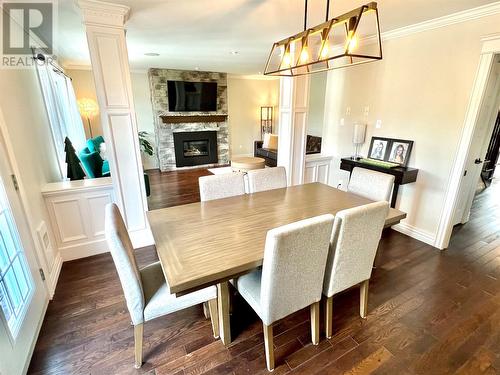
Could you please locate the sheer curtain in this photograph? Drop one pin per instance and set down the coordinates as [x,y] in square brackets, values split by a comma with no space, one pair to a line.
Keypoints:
[62,110]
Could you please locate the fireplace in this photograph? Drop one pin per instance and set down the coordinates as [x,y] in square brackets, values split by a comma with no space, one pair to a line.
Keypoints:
[195,148]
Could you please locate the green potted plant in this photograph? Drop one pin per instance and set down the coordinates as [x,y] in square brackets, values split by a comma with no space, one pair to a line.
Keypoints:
[146,148]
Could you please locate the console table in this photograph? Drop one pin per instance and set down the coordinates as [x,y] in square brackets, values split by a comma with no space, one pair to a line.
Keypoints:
[402,175]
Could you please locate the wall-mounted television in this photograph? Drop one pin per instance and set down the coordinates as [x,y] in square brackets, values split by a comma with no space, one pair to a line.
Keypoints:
[186,96]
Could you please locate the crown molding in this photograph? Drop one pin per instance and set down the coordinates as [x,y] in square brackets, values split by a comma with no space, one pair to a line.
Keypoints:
[448,20]
[100,13]
[253,77]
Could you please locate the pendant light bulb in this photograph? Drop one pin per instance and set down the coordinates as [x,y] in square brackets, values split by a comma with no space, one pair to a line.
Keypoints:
[324,50]
[304,55]
[287,60]
[352,42]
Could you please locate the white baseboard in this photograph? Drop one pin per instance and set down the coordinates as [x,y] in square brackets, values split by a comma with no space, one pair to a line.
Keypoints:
[416,233]
[54,275]
[83,250]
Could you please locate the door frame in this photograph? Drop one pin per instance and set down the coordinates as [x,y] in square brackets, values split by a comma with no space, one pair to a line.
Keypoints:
[490,47]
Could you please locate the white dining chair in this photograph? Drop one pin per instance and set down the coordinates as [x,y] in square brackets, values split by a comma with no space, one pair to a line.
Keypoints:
[266,179]
[291,277]
[146,291]
[221,186]
[355,238]
[370,184]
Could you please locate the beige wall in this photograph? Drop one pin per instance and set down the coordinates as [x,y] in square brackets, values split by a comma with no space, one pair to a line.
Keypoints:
[245,97]
[420,91]
[83,84]
[315,116]
[26,118]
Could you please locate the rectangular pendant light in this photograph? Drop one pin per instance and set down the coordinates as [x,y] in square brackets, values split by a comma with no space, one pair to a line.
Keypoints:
[350,39]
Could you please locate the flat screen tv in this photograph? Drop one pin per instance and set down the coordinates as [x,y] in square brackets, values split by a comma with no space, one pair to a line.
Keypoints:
[192,96]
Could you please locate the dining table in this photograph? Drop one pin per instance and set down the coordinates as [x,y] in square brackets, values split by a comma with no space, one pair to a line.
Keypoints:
[209,243]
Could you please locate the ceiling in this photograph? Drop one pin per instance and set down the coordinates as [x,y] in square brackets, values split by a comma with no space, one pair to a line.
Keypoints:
[191,34]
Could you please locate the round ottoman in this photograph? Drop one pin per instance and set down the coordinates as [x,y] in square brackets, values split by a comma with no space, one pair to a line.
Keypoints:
[244,164]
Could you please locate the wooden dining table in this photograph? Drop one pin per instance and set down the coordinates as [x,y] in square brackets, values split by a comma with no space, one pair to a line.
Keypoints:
[209,243]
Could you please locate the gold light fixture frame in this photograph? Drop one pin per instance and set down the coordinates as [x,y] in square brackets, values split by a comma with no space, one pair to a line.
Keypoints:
[322,62]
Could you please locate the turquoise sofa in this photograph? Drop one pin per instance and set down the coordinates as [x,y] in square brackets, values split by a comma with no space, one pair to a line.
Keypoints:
[94,165]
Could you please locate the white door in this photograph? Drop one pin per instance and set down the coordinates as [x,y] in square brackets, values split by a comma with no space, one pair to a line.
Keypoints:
[479,145]
[23,295]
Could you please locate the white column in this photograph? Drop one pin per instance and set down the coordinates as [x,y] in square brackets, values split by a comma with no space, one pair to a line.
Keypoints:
[293,108]
[104,24]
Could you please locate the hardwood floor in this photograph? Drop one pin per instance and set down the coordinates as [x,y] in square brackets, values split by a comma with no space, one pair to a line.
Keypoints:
[429,312]
[174,188]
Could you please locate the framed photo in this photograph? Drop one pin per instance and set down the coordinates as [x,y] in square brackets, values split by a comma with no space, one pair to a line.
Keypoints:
[400,150]
[379,148]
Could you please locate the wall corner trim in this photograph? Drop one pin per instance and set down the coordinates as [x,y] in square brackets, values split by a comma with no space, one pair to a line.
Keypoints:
[416,233]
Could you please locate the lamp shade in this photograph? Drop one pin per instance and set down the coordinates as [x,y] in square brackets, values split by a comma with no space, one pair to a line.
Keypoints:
[88,107]
[358,136]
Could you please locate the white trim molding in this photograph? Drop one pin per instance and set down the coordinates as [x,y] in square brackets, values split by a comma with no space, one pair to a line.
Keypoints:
[416,233]
[448,20]
[490,47]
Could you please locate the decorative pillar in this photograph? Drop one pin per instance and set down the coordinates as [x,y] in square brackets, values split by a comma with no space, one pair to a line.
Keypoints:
[104,25]
[293,108]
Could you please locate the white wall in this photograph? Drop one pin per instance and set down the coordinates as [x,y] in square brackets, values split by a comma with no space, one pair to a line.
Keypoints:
[245,97]
[315,116]
[83,82]
[420,91]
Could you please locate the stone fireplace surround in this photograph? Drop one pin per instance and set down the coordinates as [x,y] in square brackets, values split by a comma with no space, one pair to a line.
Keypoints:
[164,133]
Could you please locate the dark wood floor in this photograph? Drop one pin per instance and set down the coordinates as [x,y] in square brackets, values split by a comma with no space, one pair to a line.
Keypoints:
[174,188]
[430,312]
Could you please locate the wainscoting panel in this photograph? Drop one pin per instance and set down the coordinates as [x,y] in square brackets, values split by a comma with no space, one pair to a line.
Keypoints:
[317,168]
[76,212]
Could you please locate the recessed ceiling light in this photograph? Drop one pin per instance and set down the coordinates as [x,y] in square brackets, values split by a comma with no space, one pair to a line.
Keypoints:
[234,52]
[152,54]
[260,72]
[196,68]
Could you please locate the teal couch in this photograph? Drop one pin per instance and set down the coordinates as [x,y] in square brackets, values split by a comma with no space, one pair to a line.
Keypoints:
[94,165]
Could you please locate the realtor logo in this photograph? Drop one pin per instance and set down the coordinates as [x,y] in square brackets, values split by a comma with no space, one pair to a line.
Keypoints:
[26,25]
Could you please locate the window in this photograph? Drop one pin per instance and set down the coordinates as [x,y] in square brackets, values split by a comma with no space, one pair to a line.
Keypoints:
[16,285]
[62,108]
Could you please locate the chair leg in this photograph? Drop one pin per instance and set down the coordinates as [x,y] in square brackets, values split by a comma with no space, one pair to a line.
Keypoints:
[315,323]
[214,316]
[363,299]
[206,310]
[329,317]
[268,344]
[138,334]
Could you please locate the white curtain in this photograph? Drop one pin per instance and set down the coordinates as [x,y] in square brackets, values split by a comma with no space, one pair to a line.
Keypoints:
[62,110]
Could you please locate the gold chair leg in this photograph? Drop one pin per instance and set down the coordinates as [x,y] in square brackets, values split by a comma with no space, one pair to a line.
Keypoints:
[138,334]
[315,323]
[329,317]
[268,344]
[214,316]
[363,299]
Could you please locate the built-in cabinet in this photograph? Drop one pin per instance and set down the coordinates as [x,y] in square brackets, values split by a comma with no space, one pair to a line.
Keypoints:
[317,168]
[76,214]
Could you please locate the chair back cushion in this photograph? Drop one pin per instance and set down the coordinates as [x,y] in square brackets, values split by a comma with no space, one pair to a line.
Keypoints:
[356,234]
[221,186]
[270,141]
[294,266]
[122,252]
[266,179]
[373,185]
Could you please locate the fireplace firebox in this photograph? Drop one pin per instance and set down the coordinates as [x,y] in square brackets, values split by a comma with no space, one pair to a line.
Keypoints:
[195,148]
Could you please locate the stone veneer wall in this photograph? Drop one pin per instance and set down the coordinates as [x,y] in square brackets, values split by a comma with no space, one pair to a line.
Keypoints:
[164,133]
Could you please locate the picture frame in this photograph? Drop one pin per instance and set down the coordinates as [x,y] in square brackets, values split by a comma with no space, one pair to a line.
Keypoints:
[378,148]
[393,150]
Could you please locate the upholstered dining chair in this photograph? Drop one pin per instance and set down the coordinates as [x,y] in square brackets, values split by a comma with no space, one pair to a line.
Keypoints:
[266,179]
[221,186]
[355,238]
[291,277]
[370,184]
[146,291]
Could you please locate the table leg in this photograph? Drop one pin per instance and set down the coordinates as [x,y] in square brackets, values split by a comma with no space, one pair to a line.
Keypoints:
[394,195]
[224,322]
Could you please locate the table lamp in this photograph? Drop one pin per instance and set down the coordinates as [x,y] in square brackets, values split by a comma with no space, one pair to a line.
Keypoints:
[358,138]
[88,108]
